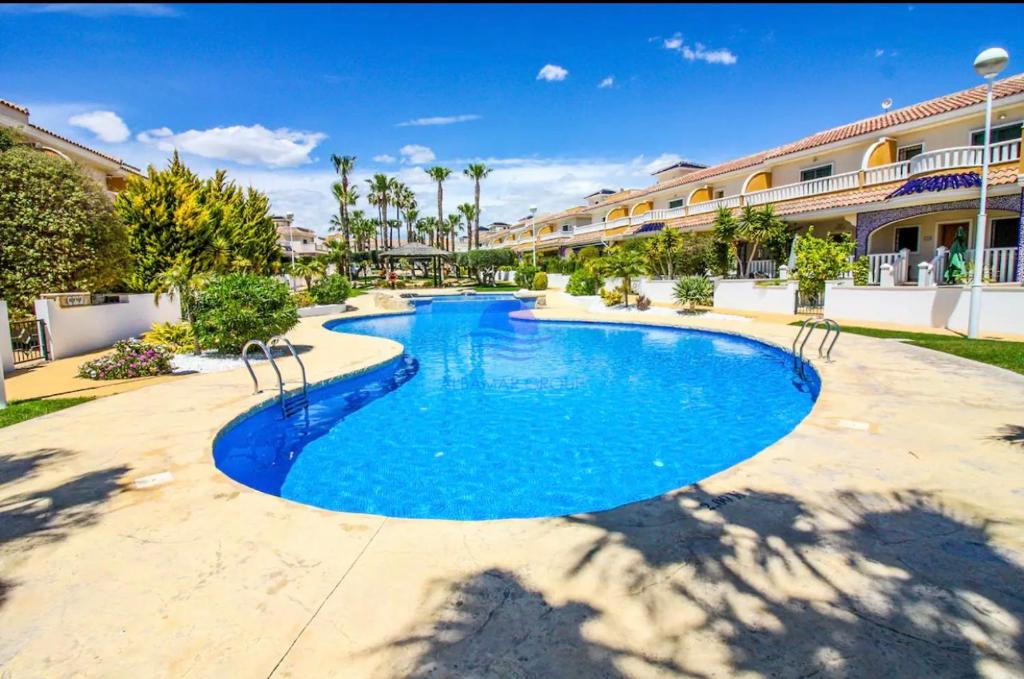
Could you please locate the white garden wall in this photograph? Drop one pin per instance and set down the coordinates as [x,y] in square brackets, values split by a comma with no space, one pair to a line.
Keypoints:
[1002,308]
[6,350]
[660,291]
[558,280]
[78,330]
[747,295]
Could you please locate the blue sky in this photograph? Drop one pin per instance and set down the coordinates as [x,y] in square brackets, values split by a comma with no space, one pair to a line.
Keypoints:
[269,92]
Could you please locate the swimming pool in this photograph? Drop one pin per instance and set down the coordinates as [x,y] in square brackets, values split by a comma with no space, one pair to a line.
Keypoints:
[489,414]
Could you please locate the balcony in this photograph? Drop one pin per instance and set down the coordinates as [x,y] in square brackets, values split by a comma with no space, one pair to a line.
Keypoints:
[957,157]
[814,187]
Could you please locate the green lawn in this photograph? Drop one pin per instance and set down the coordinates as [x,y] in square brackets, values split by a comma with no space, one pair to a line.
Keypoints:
[1009,355]
[495,288]
[19,411]
[356,292]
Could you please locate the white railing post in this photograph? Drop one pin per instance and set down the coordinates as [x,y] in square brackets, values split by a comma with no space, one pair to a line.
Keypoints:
[939,264]
[924,275]
[885,276]
[784,273]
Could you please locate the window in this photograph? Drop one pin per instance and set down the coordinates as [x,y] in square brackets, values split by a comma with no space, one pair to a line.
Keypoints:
[678,202]
[816,172]
[1000,133]
[566,227]
[1004,233]
[719,194]
[908,152]
[906,237]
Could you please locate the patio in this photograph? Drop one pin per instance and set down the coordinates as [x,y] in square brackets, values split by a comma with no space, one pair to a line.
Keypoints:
[883,537]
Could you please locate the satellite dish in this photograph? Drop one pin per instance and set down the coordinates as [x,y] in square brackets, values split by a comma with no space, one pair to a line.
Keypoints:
[886,104]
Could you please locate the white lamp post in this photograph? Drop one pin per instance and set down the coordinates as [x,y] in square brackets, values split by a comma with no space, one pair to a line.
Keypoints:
[533,231]
[290,216]
[988,64]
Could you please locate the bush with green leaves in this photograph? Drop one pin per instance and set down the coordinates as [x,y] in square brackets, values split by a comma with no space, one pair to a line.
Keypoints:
[58,230]
[540,281]
[176,337]
[611,297]
[583,282]
[302,298]
[233,309]
[524,275]
[333,289]
[862,271]
[694,290]
[821,259]
[483,263]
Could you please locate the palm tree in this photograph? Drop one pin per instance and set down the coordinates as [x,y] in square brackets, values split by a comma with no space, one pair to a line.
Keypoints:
[346,196]
[337,254]
[728,231]
[181,280]
[765,231]
[476,172]
[469,213]
[428,225]
[307,270]
[451,227]
[624,262]
[405,200]
[439,174]
[380,197]
[343,166]
[411,217]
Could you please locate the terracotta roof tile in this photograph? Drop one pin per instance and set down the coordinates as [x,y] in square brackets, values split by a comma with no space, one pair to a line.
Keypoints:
[16,107]
[90,150]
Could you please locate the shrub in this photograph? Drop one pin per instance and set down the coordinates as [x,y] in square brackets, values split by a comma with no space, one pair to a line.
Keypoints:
[611,297]
[589,252]
[302,298]
[236,308]
[524,276]
[58,230]
[821,259]
[176,337]
[334,289]
[691,290]
[862,271]
[643,303]
[130,358]
[540,281]
[583,282]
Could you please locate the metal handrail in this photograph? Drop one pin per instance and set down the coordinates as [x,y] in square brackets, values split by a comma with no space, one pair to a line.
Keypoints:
[291,349]
[815,321]
[266,352]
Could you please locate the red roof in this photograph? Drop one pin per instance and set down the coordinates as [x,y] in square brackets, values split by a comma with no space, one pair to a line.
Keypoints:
[9,104]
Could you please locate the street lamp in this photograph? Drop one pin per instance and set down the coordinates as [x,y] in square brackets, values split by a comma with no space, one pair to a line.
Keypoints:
[988,64]
[290,216]
[533,230]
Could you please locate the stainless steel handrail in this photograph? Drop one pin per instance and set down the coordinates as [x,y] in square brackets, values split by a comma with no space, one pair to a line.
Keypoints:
[266,352]
[291,349]
[815,321]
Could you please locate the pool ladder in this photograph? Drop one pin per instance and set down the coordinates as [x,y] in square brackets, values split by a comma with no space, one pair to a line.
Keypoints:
[289,404]
[815,321]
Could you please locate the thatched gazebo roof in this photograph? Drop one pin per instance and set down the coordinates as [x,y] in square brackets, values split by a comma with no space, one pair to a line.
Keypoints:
[415,250]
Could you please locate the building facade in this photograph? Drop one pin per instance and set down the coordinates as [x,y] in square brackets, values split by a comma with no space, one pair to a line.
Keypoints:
[901,184]
[302,241]
[110,172]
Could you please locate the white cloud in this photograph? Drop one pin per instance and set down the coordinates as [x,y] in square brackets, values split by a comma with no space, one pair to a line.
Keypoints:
[96,9]
[416,154]
[247,145]
[699,52]
[384,158]
[552,73]
[607,82]
[439,120]
[106,125]
[879,52]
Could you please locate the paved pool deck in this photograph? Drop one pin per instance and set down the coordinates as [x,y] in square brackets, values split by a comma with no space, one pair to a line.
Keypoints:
[883,537]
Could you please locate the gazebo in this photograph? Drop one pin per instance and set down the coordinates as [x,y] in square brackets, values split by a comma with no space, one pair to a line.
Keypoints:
[419,251]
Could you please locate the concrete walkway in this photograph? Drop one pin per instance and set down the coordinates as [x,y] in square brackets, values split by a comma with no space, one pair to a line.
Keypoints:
[883,537]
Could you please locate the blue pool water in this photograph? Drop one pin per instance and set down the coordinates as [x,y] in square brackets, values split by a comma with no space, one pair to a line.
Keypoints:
[491,416]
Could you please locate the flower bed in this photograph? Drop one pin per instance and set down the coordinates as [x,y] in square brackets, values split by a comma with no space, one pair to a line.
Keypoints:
[130,358]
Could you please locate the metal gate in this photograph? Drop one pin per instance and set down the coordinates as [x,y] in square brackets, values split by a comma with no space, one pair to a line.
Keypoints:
[810,302]
[28,341]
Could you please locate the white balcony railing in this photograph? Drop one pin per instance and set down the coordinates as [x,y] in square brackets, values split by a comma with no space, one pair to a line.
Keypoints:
[998,264]
[589,228]
[884,174]
[964,156]
[838,182]
[761,268]
[900,262]
[616,223]
[713,205]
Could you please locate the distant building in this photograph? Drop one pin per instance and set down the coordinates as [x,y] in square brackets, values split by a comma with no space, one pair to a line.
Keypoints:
[110,172]
[304,242]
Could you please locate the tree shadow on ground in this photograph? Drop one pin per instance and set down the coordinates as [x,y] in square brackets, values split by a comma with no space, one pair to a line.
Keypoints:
[1012,434]
[749,583]
[34,517]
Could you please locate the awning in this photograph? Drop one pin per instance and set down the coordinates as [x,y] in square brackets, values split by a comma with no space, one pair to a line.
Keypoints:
[959,180]
[650,227]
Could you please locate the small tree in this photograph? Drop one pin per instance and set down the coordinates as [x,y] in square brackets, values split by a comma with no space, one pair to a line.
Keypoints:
[307,270]
[623,262]
[691,290]
[727,232]
[821,259]
[58,229]
[662,252]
